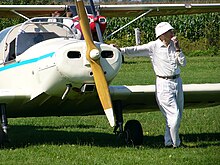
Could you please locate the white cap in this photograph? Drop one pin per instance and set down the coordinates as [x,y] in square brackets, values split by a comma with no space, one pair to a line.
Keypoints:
[162,28]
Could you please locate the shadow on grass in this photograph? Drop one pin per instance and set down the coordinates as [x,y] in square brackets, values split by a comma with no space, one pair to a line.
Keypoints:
[200,140]
[22,136]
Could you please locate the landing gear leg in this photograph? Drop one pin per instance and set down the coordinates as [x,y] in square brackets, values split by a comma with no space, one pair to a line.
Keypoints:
[118,130]
[132,134]
[4,124]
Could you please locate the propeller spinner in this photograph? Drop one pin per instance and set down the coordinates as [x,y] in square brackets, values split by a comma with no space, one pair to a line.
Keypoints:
[93,56]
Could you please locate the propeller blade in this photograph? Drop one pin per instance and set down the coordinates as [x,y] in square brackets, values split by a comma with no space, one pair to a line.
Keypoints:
[92,55]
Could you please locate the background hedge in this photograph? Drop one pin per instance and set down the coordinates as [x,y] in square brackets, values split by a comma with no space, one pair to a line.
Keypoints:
[196,32]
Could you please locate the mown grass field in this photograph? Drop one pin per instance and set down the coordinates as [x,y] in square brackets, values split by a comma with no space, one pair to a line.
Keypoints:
[89,139]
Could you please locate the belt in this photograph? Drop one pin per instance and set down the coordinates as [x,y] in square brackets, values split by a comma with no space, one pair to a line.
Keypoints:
[169,77]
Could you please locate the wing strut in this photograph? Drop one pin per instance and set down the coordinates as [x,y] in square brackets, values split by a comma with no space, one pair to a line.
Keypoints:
[20,14]
[129,23]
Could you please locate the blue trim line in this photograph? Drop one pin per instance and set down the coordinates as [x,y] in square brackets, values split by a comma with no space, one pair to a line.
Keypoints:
[9,66]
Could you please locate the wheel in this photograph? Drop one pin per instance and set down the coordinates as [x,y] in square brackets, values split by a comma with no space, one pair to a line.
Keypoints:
[133,133]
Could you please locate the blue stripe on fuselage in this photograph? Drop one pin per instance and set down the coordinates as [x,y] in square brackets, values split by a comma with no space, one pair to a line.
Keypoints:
[13,65]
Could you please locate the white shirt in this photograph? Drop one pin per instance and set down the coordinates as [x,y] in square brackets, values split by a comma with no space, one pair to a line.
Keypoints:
[165,60]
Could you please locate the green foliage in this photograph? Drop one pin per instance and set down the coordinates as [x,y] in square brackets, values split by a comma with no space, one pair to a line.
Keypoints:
[7,22]
[197,32]
[200,47]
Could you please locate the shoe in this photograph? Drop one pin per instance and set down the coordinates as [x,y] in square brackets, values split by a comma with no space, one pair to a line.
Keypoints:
[169,146]
[180,146]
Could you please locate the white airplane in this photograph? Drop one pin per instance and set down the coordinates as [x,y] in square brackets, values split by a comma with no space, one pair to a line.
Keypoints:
[46,71]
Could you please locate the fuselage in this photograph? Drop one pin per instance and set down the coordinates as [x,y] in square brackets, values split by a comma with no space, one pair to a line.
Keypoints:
[35,76]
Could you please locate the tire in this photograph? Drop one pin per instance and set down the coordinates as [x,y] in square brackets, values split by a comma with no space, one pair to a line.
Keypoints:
[133,133]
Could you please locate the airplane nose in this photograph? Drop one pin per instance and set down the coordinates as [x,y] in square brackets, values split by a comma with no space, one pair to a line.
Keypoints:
[72,64]
[68,65]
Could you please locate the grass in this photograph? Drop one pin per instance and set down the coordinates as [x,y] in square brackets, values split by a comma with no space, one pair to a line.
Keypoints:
[138,70]
[89,139]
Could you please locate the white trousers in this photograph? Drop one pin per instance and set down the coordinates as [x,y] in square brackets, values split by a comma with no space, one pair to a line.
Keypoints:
[170,99]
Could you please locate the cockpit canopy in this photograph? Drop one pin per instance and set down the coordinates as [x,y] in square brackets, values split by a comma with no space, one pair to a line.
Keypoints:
[17,39]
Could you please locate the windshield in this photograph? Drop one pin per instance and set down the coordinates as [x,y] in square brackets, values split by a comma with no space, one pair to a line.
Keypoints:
[37,30]
[17,39]
[48,24]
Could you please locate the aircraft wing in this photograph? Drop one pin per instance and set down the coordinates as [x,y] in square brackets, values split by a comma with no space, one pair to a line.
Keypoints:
[128,10]
[133,10]
[31,10]
[142,97]
[10,95]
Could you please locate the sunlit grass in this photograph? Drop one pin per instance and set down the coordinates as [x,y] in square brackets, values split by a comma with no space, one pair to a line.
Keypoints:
[89,140]
[199,70]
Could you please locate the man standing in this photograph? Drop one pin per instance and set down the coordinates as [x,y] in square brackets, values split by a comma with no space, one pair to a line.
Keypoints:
[166,57]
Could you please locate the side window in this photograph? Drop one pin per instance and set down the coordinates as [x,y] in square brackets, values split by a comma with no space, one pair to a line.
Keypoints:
[10,51]
[24,41]
[32,39]
[11,55]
